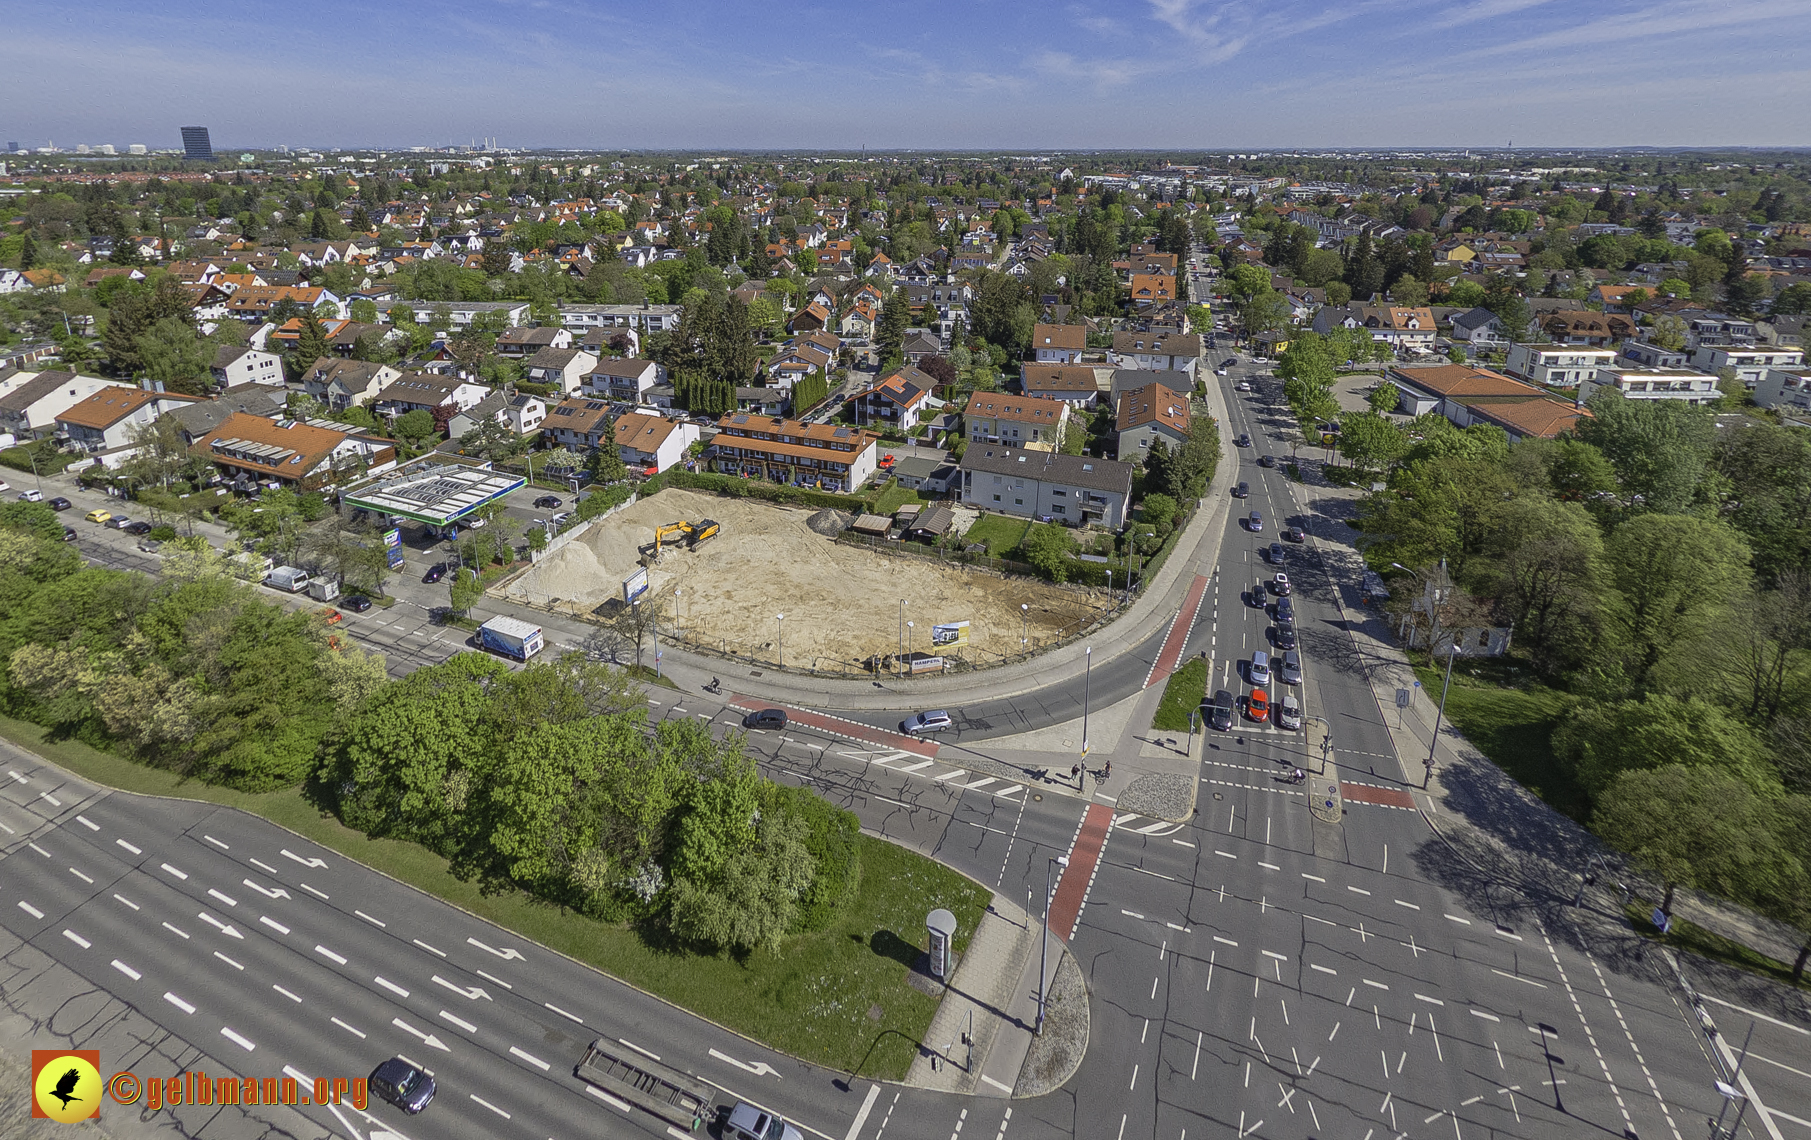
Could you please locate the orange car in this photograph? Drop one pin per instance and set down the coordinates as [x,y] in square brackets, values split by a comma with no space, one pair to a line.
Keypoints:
[1258,705]
[332,616]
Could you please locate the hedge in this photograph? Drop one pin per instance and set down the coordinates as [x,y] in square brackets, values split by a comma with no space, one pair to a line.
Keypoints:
[738,488]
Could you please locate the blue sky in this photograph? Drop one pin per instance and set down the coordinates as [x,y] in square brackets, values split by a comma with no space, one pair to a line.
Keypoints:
[984,74]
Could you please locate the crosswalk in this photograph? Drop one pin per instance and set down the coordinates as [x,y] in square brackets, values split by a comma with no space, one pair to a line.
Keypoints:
[957,779]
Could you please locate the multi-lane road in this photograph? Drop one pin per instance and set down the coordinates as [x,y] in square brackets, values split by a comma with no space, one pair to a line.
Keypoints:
[1256,972]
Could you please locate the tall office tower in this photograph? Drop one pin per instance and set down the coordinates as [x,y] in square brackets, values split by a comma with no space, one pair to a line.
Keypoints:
[195,144]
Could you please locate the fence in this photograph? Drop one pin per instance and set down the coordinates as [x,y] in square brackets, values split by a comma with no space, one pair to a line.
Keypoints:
[572,532]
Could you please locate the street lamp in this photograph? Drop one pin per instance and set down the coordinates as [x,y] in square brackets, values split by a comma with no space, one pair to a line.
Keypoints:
[902,604]
[909,628]
[678,628]
[1435,740]
[1044,946]
[1087,678]
[780,636]
[1024,627]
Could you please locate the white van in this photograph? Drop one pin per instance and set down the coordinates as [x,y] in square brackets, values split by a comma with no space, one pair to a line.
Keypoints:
[1260,667]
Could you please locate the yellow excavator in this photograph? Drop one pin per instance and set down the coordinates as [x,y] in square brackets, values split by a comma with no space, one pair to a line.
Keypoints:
[688,534]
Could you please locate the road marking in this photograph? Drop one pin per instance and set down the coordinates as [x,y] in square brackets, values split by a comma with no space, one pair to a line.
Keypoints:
[530,1058]
[1182,843]
[322,895]
[493,978]
[126,970]
[273,924]
[1132,914]
[178,1002]
[77,939]
[81,876]
[224,928]
[216,842]
[508,953]
[15,775]
[175,871]
[639,1049]
[1507,933]
[39,850]
[287,994]
[563,1013]
[1358,890]
[489,1105]
[867,1106]
[265,867]
[228,961]
[54,801]
[1278,957]
[229,901]
[31,910]
[129,847]
[917,766]
[460,1022]
[372,921]
[1456,918]
[757,1068]
[1485,1016]
[1269,866]
[1323,969]
[1410,905]
[1002,1087]
[1375,985]
[1224,941]
[166,926]
[1760,1016]
[427,1039]
[1429,1000]
[607,1098]
[392,987]
[1316,878]
[1529,981]
[86,822]
[309,862]
[428,948]
[359,1033]
[236,1038]
[326,953]
[1225,854]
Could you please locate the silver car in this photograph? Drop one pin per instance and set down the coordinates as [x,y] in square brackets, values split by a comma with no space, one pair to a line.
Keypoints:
[1291,671]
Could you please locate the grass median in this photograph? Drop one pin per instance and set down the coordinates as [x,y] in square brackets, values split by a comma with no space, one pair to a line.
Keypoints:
[837,997]
[1181,697]
[1513,727]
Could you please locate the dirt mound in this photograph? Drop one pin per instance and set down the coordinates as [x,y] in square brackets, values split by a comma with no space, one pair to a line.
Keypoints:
[829,523]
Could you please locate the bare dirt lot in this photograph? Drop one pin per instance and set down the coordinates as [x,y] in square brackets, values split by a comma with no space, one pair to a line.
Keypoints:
[841,602]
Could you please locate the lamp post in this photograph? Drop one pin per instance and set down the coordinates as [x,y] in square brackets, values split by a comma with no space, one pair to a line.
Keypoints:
[909,628]
[1435,740]
[1044,946]
[1024,627]
[1109,589]
[1087,678]
[779,636]
[678,627]
[902,603]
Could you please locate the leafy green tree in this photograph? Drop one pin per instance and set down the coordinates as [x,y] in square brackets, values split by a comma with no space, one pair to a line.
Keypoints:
[1161,511]
[1793,300]
[1659,449]
[1371,442]
[1768,469]
[1384,398]
[1048,547]
[1693,827]
[1673,575]
[1546,572]
[752,899]
[605,465]
[808,393]
[415,427]
[172,354]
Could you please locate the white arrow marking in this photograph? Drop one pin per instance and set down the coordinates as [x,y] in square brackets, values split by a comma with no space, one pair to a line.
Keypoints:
[758,1068]
[427,1039]
[279,893]
[288,854]
[222,927]
[506,953]
[472,994]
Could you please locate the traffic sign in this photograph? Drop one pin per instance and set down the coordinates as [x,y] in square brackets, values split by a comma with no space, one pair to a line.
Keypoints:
[1663,921]
[1403,696]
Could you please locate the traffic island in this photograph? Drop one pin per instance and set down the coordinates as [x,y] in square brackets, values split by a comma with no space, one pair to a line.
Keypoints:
[1057,1052]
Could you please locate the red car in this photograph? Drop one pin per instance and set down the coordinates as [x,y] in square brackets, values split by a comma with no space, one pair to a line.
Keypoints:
[887,461]
[332,616]
[1257,706]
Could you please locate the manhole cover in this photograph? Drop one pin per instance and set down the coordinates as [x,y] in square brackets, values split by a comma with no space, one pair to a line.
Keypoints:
[754,672]
[1039,797]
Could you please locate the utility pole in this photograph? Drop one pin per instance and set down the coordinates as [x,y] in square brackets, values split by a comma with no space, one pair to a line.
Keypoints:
[1441,714]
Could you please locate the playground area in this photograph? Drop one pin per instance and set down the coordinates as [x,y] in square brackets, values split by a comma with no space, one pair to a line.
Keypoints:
[841,601]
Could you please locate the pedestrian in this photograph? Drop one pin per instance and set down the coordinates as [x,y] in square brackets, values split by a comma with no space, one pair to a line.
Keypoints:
[1075,772]
[1107,772]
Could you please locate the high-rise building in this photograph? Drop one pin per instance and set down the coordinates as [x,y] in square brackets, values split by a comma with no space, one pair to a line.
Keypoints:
[135,148]
[196,146]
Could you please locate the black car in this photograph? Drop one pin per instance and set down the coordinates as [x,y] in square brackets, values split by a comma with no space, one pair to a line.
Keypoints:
[1267,461]
[60,504]
[357,603]
[1229,362]
[69,534]
[1220,714]
[550,502]
[765,718]
[1275,554]
[1285,637]
[137,529]
[1286,609]
[1295,534]
[403,1085]
[1244,439]
[435,572]
[1242,490]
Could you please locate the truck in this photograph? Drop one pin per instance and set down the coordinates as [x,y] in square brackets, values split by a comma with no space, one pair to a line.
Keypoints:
[322,590]
[512,637]
[655,1088]
[288,578]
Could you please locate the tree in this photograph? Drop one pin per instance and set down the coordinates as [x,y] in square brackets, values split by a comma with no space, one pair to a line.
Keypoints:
[171,353]
[493,441]
[1371,442]
[1673,574]
[1547,575]
[605,464]
[311,342]
[160,456]
[1693,828]
[1667,332]
[1746,291]
[415,427]
[1659,448]
[1047,547]
[1266,311]
[496,259]
[1793,300]
[808,393]
[1384,398]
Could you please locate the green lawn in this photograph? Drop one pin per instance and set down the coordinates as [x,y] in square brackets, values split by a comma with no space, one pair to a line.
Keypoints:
[1512,726]
[894,497]
[813,999]
[1694,939]
[1181,697]
[1000,533]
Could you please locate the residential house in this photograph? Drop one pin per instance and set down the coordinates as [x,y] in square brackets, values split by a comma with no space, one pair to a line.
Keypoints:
[1556,365]
[812,318]
[564,369]
[1684,384]
[1148,289]
[1616,298]
[235,366]
[1478,326]
[342,384]
[764,401]
[1180,352]
[1586,327]
[520,412]
[1788,389]
[1715,331]
[526,340]
[105,420]
[831,457]
[197,419]
[254,303]
[1407,329]
[930,476]
[920,343]
[1641,354]
[1046,485]
[798,360]
[1121,380]
[623,379]
[414,390]
[1035,422]
[1467,395]
[301,456]
[1151,413]
[1059,344]
[645,318]
[651,444]
[1078,384]
[31,401]
[578,424]
[460,314]
[1749,362]
[898,401]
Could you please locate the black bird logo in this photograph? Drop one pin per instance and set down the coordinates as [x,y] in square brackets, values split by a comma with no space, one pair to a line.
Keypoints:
[66,1084]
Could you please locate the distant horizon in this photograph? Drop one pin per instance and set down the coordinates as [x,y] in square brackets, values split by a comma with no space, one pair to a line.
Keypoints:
[802,151]
[1150,75]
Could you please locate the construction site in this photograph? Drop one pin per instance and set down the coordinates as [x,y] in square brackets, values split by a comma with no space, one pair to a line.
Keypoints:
[724,591]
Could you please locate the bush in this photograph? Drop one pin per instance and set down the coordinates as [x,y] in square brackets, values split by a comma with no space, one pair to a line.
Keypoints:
[738,488]
[162,533]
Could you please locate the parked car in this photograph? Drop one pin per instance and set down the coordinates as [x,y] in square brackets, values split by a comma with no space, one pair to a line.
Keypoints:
[1242,490]
[117,522]
[1257,706]
[149,545]
[746,1122]
[69,534]
[357,603]
[1255,522]
[560,519]
[1281,585]
[60,504]
[548,502]
[765,718]
[137,529]
[1291,672]
[1275,554]
[98,515]
[1295,534]
[331,616]
[1220,715]
[435,572]
[402,1084]
[1258,671]
[936,720]
[1267,461]
[33,496]
[1241,386]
